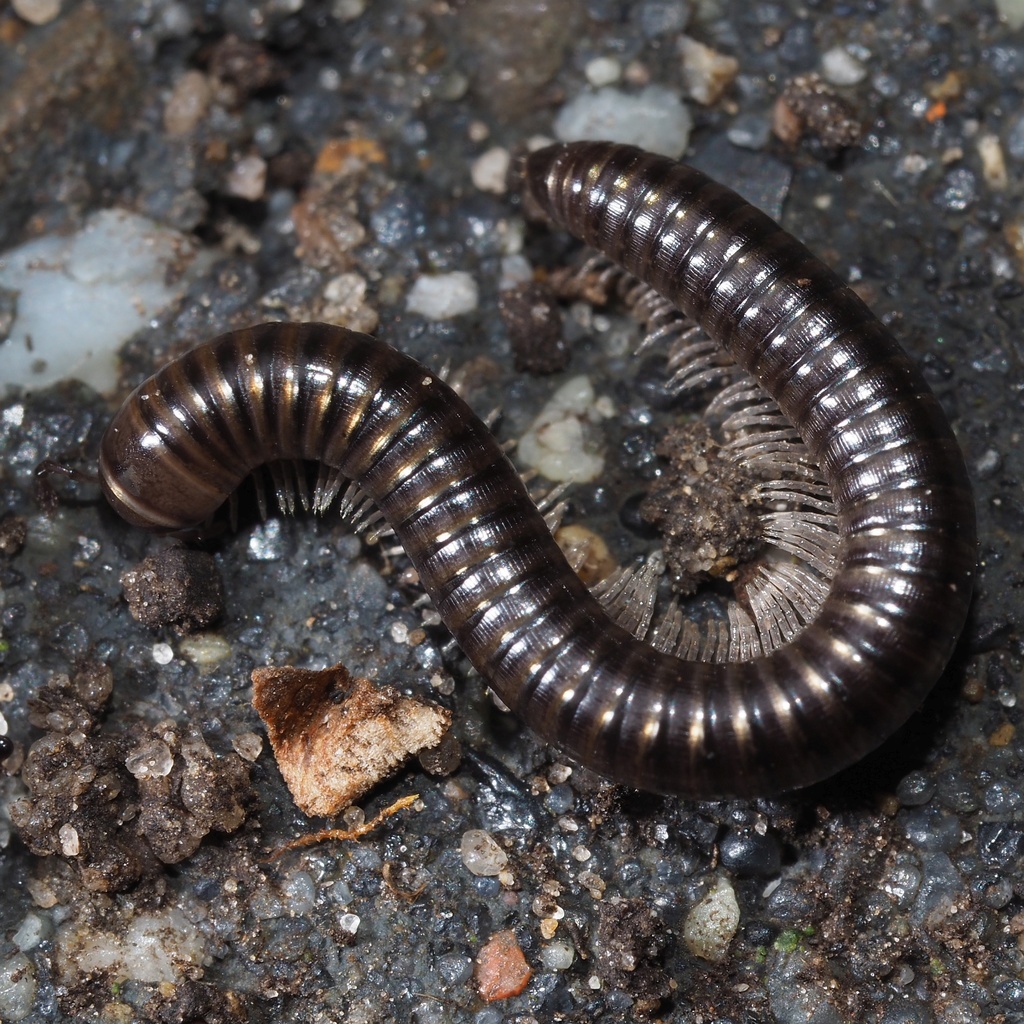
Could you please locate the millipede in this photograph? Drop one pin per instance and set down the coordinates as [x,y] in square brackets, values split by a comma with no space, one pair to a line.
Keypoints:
[757,718]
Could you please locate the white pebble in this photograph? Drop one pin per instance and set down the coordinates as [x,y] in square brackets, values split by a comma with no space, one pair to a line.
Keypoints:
[205,650]
[481,854]
[247,745]
[348,10]
[163,654]
[840,67]
[17,987]
[489,170]
[1012,12]
[706,72]
[36,12]
[654,119]
[346,289]
[82,296]
[515,270]
[559,442]
[70,844]
[442,296]
[188,103]
[158,947]
[993,163]
[300,891]
[603,71]
[711,924]
[913,165]
[248,178]
[30,932]
[150,760]
[557,956]
[349,923]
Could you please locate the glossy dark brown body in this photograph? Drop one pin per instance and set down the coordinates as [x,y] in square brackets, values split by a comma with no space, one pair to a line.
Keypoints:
[187,437]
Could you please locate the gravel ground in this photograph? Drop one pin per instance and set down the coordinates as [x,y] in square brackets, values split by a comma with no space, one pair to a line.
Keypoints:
[345,161]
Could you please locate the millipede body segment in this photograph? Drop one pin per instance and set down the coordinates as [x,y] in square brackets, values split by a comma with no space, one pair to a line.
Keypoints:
[187,437]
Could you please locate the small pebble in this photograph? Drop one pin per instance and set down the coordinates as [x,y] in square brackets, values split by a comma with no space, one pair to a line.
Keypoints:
[958,191]
[489,171]
[36,12]
[248,178]
[481,854]
[1002,735]
[151,760]
[993,163]
[1012,12]
[560,799]
[267,542]
[442,296]
[488,1017]
[706,72]
[515,270]
[711,924]
[247,745]
[750,131]
[18,987]
[915,789]
[502,970]
[1000,843]
[348,10]
[840,67]
[345,303]
[1015,136]
[930,828]
[654,119]
[988,463]
[81,296]
[300,893]
[187,104]
[163,654]
[998,894]
[32,930]
[603,71]
[559,443]
[205,650]
[444,758]
[455,968]
[661,17]
[70,842]
[901,882]
[750,854]
[557,956]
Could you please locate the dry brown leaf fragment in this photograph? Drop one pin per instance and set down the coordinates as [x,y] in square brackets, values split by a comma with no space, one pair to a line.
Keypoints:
[335,737]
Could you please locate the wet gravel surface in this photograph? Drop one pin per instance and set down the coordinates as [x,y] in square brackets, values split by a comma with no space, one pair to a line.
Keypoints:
[328,156]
